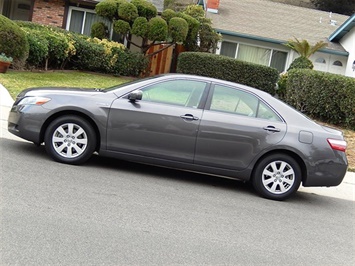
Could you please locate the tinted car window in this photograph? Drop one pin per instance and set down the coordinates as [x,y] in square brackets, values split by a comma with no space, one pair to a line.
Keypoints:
[265,112]
[227,99]
[177,92]
[231,100]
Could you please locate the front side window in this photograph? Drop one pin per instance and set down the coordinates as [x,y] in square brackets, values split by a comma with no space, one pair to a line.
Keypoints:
[176,92]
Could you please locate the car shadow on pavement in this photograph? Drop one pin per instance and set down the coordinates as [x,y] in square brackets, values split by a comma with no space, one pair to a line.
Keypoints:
[151,171]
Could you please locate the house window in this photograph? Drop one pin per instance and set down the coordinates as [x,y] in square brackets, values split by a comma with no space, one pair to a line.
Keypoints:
[228,49]
[338,63]
[80,20]
[254,54]
[320,60]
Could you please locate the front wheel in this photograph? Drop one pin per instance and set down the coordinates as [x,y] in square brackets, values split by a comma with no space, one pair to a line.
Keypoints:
[277,177]
[70,139]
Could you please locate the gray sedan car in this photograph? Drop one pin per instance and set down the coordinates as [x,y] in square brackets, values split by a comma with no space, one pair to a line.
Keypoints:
[185,122]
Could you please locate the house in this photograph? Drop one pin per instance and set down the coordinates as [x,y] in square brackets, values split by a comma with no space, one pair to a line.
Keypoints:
[252,30]
[255,31]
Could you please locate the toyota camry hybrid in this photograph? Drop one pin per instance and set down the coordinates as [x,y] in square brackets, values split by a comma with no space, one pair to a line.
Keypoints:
[185,122]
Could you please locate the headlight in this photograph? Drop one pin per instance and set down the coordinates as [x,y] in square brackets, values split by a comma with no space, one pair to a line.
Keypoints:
[33,100]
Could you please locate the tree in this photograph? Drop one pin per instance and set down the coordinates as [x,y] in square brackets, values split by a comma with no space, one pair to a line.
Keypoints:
[305,50]
[345,7]
[139,17]
[208,38]
[201,37]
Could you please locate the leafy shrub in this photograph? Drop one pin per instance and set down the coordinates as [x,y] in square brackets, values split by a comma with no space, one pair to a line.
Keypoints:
[121,27]
[129,63]
[281,85]
[168,14]
[38,48]
[226,68]
[89,55]
[178,29]
[99,30]
[13,42]
[321,95]
[140,27]
[127,11]
[108,8]
[158,29]
[75,51]
[301,63]
[58,42]
[145,9]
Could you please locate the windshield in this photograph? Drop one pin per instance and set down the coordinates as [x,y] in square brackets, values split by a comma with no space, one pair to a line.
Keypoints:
[124,84]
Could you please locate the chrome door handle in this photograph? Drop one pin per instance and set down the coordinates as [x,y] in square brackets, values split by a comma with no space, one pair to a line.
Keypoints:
[272,129]
[189,117]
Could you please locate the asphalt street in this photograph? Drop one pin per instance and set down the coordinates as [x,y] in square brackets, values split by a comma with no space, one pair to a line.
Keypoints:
[110,212]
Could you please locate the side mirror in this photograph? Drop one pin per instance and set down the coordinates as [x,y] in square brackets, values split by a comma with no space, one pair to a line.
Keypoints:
[135,95]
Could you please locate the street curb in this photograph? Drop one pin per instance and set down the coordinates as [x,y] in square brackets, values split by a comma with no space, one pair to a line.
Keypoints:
[5,97]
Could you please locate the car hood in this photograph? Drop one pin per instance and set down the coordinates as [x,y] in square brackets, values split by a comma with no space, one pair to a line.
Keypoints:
[57,90]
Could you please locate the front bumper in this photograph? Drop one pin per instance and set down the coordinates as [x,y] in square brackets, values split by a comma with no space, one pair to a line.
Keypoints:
[26,122]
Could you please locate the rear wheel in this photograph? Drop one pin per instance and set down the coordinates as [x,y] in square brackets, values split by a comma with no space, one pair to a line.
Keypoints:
[277,177]
[70,139]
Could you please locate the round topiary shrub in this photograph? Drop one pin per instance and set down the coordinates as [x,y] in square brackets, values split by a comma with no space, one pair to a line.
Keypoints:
[13,42]
[99,30]
[301,63]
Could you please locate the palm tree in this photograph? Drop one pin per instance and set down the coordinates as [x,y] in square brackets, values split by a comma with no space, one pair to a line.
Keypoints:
[303,48]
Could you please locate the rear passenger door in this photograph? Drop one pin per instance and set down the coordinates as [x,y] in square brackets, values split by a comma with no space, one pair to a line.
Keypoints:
[235,126]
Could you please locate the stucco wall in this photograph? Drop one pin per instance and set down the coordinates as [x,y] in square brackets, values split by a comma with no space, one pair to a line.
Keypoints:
[348,42]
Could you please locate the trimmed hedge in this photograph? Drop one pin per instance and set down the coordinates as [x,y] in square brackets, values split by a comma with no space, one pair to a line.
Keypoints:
[13,42]
[325,96]
[56,48]
[226,68]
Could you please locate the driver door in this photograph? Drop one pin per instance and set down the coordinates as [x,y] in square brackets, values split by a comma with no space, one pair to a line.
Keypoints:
[162,125]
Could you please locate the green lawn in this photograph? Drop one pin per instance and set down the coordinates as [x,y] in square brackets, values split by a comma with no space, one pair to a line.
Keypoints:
[16,81]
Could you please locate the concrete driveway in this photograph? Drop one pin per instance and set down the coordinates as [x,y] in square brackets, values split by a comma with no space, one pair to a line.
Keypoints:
[346,190]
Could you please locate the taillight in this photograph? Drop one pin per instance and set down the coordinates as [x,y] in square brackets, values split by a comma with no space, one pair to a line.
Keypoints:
[336,144]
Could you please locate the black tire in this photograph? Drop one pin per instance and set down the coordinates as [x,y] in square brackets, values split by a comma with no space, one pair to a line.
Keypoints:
[277,177]
[78,143]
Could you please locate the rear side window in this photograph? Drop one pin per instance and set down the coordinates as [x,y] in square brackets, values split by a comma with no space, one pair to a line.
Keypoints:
[231,100]
[176,92]
[227,99]
[265,112]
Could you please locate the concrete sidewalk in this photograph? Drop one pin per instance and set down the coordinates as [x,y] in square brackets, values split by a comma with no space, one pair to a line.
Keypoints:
[346,190]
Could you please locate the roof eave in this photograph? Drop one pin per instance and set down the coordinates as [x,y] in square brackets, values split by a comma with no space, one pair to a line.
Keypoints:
[345,27]
[274,41]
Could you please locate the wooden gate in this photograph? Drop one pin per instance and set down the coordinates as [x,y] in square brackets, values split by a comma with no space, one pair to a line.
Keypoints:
[160,63]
